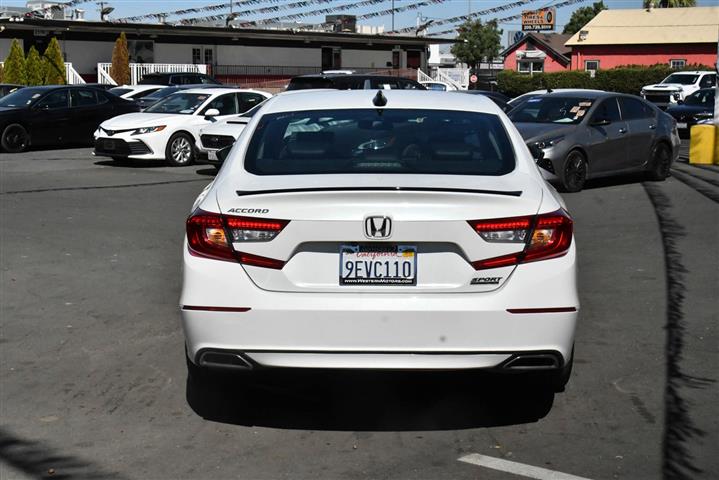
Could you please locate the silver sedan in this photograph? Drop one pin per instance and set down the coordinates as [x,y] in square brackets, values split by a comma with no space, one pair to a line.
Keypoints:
[588,134]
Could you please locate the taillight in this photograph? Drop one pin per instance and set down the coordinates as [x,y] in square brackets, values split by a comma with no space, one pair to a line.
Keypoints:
[545,236]
[211,235]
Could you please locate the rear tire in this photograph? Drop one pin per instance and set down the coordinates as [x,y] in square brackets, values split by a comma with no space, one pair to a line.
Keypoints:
[15,138]
[660,163]
[574,174]
[180,150]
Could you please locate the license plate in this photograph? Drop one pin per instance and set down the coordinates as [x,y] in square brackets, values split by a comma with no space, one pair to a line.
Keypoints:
[108,145]
[212,155]
[681,125]
[378,265]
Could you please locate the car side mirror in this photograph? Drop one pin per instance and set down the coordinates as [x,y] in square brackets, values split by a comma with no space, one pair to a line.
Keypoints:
[223,153]
[601,122]
[537,153]
[211,114]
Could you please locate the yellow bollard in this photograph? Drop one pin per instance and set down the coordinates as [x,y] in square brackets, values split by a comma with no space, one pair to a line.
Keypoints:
[702,144]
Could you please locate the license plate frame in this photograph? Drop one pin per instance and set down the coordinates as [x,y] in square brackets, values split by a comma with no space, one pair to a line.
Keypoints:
[383,259]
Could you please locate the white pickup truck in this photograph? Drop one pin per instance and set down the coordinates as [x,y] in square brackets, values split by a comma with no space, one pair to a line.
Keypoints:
[677,86]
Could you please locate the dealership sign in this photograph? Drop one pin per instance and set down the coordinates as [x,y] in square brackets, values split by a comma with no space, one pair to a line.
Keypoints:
[538,20]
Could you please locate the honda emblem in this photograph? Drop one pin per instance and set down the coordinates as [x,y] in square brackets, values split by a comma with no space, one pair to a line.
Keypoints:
[377,227]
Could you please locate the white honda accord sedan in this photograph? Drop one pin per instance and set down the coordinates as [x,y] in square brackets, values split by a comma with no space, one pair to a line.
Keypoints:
[380,230]
[170,129]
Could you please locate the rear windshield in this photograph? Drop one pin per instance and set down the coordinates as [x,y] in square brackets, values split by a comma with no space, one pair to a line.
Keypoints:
[119,91]
[379,141]
[544,109]
[309,82]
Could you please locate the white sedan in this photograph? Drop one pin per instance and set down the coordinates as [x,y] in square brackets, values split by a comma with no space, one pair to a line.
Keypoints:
[380,230]
[169,130]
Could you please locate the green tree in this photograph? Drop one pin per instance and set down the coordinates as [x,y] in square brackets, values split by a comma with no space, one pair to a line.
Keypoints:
[34,68]
[54,64]
[120,68]
[14,68]
[670,3]
[477,42]
[582,16]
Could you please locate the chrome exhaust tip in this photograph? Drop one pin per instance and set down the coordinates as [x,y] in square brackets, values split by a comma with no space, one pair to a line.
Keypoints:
[533,361]
[234,361]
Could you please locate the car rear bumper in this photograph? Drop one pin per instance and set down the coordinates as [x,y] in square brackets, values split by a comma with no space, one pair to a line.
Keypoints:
[223,311]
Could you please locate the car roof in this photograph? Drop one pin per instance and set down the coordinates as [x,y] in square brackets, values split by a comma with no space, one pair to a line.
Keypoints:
[692,72]
[349,99]
[167,74]
[221,90]
[345,76]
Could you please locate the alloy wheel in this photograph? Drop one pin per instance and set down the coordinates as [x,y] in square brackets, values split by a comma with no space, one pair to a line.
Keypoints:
[181,150]
[575,172]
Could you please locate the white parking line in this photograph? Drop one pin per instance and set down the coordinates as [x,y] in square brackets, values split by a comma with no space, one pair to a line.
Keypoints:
[517,468]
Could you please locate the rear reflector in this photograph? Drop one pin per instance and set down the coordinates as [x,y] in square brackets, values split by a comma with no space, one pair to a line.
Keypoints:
[542,310]
[545,236]
[216,309]
[211,235]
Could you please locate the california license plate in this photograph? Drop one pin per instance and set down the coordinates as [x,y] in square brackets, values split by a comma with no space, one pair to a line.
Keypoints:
[378,265]
[681,125]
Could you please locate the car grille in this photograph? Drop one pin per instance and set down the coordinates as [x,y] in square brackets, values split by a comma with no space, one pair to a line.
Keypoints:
[658,98]
[119,147]
[217,141]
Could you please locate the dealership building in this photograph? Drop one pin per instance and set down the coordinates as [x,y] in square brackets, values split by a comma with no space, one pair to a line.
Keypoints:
[232,54]
[618,37]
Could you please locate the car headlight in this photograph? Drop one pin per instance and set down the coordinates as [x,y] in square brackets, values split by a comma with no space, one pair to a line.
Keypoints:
[677,95]
[144,130]
[548,143]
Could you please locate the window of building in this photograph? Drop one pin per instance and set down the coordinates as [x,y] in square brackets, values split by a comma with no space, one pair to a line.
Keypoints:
[677,63]
[196,55]
[208,56]
[591,65]
[530,66]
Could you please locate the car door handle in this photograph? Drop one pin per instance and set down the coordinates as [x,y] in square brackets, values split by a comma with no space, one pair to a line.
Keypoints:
[622,131]
[652,127]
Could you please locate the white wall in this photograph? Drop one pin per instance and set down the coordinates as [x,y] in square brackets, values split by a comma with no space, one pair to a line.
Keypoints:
[366,58]
[173,52]
[291,57]
[5,47]
[85,56]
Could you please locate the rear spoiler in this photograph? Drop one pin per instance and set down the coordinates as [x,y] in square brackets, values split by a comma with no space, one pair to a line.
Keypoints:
[243,193]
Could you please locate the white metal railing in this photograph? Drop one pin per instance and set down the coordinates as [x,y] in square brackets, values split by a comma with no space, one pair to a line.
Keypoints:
[457,77]
[71,75]
[138,70]
[423,77]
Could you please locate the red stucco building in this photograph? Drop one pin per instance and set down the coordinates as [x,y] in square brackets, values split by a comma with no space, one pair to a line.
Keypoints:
[672,36]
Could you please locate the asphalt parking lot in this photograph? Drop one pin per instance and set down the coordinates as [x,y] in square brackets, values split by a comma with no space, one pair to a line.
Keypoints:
[93,381]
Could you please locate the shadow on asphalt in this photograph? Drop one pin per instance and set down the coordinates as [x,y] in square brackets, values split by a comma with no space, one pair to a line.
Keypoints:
[368,401]
[38,460]
[129,163]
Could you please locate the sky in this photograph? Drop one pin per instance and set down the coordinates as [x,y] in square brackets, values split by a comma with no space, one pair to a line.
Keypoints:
[450,8]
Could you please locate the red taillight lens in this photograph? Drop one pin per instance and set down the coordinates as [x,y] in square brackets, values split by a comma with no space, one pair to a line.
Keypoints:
[211,235]
[547,236]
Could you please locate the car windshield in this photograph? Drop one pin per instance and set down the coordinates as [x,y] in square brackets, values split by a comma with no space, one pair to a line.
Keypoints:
[163,92]
[119,91]
[704,98]
[544,109]
[380,141]
[681,78]
[182,103]
[22,97]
